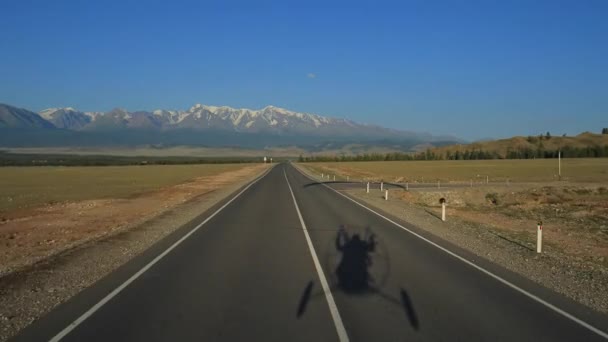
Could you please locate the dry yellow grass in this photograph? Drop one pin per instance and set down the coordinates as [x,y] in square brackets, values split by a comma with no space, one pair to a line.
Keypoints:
[30,186]
[539,170]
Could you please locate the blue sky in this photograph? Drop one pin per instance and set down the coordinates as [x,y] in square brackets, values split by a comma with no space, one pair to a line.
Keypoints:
[472,69]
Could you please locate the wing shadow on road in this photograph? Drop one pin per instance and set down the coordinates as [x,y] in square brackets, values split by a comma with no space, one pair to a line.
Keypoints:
[387,185]
[328,183]
[353,277]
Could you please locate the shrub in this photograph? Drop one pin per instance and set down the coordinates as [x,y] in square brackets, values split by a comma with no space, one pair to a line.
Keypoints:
[492,197]
[582,191]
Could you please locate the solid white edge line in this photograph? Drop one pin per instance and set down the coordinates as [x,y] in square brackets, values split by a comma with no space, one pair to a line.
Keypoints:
[117,290]
[479,268]
[333,308]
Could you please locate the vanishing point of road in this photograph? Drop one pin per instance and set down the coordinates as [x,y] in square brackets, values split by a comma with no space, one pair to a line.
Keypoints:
[289,259]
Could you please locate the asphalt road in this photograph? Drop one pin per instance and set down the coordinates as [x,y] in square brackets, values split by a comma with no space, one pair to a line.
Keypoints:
[252,272]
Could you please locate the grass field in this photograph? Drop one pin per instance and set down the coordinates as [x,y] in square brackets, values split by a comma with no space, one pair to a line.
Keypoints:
[530,170]
[30,186]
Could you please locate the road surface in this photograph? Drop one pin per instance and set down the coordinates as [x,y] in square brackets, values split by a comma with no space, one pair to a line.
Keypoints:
[259,267]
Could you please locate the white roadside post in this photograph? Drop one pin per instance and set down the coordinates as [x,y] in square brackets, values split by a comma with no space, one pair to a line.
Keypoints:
[407,186]
[368,187]
[438,185]
[559,164]
[442,201]
[322,176]
[487,179]
[386,195]
[471,183]
[334,178]
[539,237]
[381,186]
[348,178]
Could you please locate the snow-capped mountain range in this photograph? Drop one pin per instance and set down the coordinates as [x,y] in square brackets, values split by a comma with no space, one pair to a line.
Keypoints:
[201,124]
[268,119]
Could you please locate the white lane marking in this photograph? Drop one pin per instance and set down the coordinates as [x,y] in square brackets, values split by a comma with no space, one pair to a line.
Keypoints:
[479,268]
[333,309]
[117,290]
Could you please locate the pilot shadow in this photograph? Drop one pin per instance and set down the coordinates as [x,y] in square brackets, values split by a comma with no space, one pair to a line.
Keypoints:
[354,278]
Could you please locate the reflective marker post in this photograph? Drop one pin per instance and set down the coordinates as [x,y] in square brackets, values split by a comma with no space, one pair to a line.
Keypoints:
[442,201]
[381,186]
[368,187]
[386,195]
[539,237]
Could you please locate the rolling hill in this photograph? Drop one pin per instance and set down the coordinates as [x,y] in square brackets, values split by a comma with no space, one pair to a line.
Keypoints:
[528,147]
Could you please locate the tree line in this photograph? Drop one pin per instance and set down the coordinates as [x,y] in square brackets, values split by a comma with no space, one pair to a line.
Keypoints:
[474,154]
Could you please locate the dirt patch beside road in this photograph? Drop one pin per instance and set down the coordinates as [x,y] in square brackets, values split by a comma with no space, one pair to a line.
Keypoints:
[575,218]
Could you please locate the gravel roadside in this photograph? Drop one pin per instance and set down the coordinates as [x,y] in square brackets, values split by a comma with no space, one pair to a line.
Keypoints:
[28,295]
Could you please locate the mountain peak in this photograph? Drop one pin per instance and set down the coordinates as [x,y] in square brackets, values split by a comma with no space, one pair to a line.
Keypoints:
[196,106]
[49,113]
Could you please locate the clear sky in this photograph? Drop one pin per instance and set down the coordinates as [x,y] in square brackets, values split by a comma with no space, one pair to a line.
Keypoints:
[472,69]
